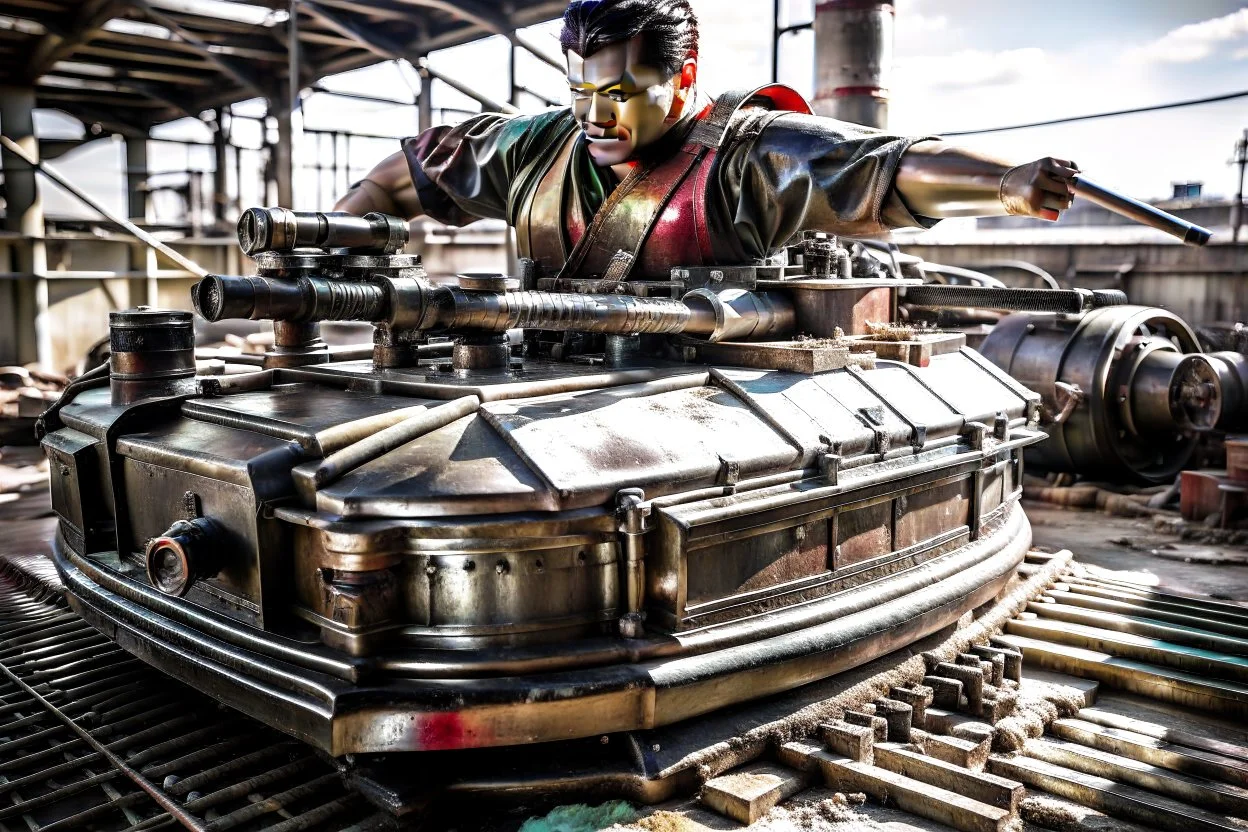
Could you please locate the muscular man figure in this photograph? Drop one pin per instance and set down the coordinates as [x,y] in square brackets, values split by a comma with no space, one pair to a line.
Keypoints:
[641,173]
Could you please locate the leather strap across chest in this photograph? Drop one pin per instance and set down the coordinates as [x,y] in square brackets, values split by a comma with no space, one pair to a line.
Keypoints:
[614,241]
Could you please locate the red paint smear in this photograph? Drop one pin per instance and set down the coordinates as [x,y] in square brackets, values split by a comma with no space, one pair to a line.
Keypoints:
[444,731]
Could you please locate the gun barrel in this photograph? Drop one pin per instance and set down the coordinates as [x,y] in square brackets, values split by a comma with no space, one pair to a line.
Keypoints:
[280,229]
[307,299]
[1141,212]
[731,314]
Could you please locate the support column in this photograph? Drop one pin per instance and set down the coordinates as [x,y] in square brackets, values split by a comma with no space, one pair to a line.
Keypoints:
[853,60]
[136,178]
[220,170]
[513,96]
[1237,207]
[141,287]
[29,338]
[424,104]
[283,158]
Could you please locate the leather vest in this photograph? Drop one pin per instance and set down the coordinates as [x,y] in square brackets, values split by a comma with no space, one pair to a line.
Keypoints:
[654,220]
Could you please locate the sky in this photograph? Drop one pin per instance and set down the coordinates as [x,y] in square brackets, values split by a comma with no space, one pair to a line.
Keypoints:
[958,65]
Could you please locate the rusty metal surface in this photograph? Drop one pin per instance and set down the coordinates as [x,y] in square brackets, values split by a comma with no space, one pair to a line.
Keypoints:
[91,738]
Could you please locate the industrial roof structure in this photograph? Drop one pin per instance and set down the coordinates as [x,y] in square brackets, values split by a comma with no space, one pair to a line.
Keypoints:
[129,64]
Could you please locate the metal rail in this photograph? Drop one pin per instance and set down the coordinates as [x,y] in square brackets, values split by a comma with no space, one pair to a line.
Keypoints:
[92,738]
[181,259]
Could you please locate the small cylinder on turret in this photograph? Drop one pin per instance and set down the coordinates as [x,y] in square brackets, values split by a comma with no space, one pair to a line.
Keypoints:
[153,354]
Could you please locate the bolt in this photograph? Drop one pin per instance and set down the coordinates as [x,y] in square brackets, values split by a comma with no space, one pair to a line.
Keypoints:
[604,739]
[502,567]
[470,565]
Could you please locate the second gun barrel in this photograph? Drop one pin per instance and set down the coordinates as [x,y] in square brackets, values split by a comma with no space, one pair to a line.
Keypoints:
[731,314]
[280,229]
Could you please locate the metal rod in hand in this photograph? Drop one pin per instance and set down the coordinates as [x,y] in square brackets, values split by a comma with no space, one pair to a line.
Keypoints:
[181,259]
[1141,212]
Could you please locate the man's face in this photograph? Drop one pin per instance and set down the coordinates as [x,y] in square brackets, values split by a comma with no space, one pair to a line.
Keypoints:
[621,103]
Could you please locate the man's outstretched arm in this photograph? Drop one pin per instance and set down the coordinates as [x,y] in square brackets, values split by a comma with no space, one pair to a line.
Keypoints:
[387,188]
[938,180]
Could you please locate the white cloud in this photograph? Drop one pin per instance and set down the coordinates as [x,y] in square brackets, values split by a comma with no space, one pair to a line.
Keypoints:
[972,68]
[1240,54]
[1195,41]
[912,21]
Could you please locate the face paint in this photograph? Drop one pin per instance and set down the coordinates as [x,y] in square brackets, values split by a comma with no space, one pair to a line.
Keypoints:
[622,104]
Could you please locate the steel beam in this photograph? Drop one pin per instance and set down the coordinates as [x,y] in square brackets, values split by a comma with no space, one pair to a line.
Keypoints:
[469,10]
[220,169]
[534,50]
[136,178]
[27,338]
[239,74]
[56,45]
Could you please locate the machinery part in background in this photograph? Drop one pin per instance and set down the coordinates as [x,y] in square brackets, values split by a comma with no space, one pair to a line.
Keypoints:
[942,275]
[1018,274]
[1069,301]
[1142,389]
[152,354]
[1232,370]
[280,229]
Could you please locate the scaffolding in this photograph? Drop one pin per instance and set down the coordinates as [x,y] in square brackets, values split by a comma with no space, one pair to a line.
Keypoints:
[126,67]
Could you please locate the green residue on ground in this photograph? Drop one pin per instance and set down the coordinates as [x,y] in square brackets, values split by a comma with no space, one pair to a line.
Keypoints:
[582,818]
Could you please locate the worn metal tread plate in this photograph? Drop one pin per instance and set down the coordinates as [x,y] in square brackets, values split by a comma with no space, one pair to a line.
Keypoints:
[1177,760]
[92,738]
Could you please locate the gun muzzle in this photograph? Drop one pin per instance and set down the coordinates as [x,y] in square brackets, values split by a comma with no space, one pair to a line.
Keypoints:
[220,297]
[280,229]
[1141,212]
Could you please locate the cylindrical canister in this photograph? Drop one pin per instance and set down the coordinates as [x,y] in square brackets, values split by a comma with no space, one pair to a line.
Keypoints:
[153,354]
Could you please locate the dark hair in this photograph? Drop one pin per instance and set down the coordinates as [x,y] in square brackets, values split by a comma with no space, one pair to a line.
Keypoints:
[669,29]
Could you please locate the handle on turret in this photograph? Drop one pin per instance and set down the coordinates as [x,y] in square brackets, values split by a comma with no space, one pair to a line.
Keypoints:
[1141,212]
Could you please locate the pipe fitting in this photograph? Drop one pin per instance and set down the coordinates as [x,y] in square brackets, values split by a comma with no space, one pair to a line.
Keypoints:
[739,315]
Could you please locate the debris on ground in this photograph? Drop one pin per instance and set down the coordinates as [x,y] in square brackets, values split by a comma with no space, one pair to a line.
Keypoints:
[1039,704]
[25,392]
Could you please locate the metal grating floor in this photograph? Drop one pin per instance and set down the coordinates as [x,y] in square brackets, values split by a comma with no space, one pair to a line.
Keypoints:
[93,739]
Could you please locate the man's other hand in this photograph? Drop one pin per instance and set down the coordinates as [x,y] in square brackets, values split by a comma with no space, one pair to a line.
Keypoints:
[1043,188]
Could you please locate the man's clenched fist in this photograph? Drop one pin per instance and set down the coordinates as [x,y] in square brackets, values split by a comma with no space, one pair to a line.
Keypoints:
[1043,188]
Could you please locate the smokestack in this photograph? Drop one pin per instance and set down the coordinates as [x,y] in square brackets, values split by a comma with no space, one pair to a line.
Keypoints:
[853,60]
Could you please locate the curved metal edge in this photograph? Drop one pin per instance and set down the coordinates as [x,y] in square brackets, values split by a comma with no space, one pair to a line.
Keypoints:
[455,714]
